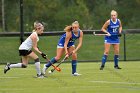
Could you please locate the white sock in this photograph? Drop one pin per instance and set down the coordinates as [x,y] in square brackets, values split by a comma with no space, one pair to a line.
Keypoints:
[18,65]
[37,65]
[44,69]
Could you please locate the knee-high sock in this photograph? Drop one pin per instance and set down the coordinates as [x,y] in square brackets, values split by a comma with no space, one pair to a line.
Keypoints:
[104,58]
[52,61]
[18,65]
[74,66]
[37,66]
[116,59]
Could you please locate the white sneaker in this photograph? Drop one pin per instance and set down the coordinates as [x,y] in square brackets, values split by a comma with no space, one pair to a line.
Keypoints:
[76,74]
[44,69]
[6,68]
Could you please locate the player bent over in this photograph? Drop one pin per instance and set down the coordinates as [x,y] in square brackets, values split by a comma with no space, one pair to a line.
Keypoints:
[113,28]
[66,44]
[25,51]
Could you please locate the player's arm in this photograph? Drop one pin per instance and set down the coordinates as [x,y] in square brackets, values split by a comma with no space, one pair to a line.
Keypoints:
[68,36]
[120,28]
[80,42]
[105,27]
[34,39]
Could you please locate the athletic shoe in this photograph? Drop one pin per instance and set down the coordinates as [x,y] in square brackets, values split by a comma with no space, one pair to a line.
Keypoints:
[76,74]
[102,67]
[6,68]
[40,76]
[44,69]
[44,75]
[117,67]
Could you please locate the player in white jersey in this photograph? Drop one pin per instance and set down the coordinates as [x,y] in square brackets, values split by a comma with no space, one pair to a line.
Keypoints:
[25,51]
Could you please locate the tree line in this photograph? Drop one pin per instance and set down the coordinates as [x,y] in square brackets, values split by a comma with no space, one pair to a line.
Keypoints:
[56,14]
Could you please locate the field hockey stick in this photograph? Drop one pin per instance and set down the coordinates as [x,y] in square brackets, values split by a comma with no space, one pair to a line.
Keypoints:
[105,34]
[65,58]
[55,67]
[99,34]
[47,59]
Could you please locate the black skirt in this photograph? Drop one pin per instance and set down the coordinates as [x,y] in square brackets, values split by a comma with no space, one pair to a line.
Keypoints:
[24,52]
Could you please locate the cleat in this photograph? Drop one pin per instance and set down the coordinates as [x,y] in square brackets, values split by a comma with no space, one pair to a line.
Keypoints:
[102,67]
[40,76]
[44,75]
[117,67]
[6,68]
[76,74]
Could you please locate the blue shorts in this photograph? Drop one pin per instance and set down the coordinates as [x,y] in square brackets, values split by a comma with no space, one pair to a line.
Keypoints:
[112,41]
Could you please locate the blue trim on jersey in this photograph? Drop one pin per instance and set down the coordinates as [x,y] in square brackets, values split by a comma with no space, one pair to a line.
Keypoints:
[113,28]
[71,41]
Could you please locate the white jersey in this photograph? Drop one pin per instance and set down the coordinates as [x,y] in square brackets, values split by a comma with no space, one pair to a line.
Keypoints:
[28,43]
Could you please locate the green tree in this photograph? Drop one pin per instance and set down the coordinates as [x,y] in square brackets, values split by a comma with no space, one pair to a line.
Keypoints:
[76,11]
[91,14]
[12,15]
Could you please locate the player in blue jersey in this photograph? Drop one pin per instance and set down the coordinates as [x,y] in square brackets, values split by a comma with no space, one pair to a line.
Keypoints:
[66,44]
[113,28]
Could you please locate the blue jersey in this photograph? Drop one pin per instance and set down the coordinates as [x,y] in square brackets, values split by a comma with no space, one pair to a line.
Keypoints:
[71,41]
[113,29]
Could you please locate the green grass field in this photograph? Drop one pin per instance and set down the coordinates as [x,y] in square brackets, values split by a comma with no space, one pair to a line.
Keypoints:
[92,80]
[126,80]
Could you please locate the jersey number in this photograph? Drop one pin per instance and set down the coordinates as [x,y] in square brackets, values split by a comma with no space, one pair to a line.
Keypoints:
[115,29]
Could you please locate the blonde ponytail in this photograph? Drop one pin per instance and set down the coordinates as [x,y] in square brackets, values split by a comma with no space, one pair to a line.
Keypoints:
[68,28]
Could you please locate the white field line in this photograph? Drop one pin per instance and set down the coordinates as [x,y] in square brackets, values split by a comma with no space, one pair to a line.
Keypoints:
[109,82]
[11,89]
[8,77]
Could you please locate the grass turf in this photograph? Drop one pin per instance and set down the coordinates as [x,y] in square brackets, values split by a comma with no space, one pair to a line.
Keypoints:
[126,80]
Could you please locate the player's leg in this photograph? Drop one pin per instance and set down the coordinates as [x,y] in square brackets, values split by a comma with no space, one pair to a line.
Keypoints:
[18,65]
[21,65]
[106,52]
[74,61]
[37,63]
[116,55]
[59,53]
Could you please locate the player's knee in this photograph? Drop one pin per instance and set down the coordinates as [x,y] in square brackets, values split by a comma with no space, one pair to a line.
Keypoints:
[37,60]
[116,51]
[24,66]
[74,56]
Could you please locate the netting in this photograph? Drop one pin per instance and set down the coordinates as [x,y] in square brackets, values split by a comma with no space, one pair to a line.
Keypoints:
[91,50]
[133,46]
